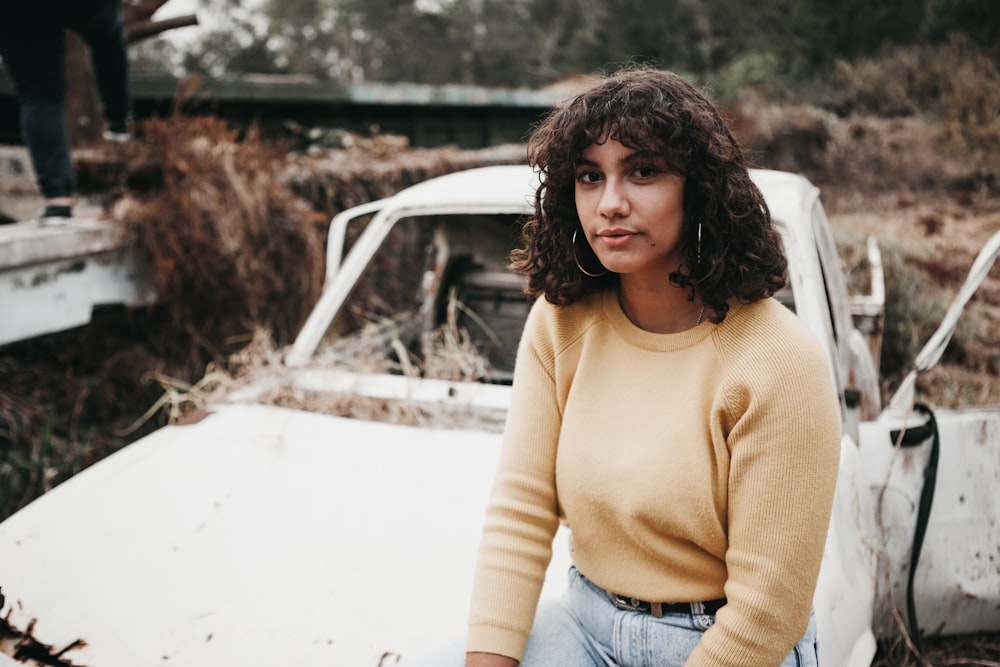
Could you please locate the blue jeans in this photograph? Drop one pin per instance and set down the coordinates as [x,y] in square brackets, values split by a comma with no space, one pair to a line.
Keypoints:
[584,628]
[33,49]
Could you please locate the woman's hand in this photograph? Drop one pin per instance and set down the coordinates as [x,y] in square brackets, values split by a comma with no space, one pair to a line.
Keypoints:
[488,660]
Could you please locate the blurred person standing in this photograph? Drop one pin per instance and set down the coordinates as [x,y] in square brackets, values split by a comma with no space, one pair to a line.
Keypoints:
[33,51]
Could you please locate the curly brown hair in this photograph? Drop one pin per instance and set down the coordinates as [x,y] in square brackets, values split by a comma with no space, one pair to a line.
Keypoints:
[649,109]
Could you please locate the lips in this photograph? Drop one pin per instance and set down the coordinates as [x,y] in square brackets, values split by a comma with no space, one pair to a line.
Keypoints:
[616,237]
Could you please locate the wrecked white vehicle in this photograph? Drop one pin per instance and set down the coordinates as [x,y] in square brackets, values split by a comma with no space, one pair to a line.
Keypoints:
[264,535]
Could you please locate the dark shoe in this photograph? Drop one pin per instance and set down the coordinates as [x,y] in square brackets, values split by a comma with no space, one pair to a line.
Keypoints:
[118,132]
[55,215]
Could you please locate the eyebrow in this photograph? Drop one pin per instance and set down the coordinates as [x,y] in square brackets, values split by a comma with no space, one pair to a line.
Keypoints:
[630,159]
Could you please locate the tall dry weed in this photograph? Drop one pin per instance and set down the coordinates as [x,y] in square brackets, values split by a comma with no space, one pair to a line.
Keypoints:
[225,244]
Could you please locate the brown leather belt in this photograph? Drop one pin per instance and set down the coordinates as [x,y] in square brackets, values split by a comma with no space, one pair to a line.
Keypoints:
[658,609]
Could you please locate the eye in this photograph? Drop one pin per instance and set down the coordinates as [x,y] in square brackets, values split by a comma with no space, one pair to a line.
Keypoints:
[645,171]
[587,177]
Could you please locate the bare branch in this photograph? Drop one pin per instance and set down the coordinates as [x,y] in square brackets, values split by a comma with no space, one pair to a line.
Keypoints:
[145,29]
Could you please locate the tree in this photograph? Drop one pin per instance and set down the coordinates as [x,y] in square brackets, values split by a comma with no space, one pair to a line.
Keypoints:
[979,19]
[668,33]
[534,42]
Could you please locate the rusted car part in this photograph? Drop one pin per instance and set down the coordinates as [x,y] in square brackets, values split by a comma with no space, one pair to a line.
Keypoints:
[52,277]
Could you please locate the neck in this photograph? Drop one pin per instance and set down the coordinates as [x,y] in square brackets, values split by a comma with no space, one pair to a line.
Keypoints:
[659,310]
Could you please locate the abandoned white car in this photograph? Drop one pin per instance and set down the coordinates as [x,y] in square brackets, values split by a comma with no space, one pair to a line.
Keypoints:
[274,532]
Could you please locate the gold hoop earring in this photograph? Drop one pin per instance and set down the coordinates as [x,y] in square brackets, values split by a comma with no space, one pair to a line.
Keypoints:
[580,266]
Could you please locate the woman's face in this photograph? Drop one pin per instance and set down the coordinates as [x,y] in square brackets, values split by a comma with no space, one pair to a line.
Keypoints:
[631,207]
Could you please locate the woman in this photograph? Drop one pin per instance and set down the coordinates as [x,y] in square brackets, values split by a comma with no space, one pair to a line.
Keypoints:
[679,420]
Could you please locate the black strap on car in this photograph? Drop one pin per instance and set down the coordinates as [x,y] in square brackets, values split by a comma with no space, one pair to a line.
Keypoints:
[910,438]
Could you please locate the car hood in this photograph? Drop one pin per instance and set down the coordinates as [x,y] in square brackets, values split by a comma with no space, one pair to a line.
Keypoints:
[257,536]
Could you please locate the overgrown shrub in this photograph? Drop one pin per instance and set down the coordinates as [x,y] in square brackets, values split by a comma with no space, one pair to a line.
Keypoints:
[914,305]
[953,82]
[225,244]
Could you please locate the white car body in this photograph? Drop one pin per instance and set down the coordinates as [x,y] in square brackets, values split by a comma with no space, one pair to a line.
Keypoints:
[263,535]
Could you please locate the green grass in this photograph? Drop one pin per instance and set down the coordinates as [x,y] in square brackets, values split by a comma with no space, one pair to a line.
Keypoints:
[27,473]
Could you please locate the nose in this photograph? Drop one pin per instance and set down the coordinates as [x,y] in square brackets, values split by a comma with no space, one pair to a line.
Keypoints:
[614,202]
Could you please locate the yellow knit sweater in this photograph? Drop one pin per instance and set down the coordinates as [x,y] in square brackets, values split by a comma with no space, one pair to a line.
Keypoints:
[688,466]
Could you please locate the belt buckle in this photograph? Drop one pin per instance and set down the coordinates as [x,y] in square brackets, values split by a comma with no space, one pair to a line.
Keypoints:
[627,604]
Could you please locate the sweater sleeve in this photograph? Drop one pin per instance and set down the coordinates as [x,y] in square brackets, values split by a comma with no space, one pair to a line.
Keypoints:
[783,434]
[522,516]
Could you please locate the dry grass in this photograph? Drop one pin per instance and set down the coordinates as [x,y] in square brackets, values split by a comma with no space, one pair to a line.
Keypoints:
[225,244]
[982,650]
[447,354]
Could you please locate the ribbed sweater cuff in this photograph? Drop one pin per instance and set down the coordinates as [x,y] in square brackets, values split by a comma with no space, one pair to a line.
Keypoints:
[501,641]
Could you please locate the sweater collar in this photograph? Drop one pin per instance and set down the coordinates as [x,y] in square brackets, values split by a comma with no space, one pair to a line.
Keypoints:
[657,342]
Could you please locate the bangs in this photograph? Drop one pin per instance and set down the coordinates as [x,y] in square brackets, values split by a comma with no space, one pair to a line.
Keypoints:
[638,133]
